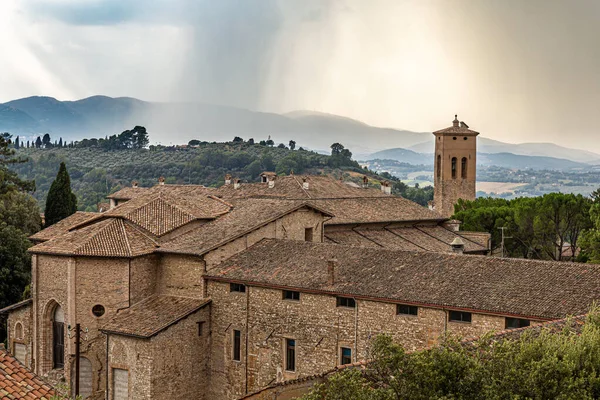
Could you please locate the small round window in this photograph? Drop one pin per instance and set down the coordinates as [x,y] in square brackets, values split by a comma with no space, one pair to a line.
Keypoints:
[98,310]
[454,138]
[465,138]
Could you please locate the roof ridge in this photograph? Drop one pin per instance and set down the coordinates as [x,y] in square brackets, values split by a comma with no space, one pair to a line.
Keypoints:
[124,232]
[302,187]
[212,196]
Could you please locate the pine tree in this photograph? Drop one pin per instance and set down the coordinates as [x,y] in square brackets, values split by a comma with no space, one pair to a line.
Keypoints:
[17,143]
[61,201]
[60,143]
[38,142]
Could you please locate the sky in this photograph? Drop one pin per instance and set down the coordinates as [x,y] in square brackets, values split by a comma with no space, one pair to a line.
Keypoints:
[515,70]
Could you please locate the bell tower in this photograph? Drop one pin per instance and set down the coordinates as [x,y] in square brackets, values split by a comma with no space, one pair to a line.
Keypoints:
[454,166]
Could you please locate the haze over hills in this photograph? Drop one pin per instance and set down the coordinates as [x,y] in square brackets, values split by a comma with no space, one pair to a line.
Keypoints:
[177,123]
[505,160]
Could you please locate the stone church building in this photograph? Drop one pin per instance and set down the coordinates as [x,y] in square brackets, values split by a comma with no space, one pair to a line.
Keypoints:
[185,291]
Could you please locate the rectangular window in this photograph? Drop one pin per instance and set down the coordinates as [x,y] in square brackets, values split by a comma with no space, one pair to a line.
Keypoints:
[291,295]
[405,309]
[512,323]
[346,357]
[346,302]
[200,325]
[308,234]
[460,316]
[237,287]
[120,384]
[290,355]
[237,345]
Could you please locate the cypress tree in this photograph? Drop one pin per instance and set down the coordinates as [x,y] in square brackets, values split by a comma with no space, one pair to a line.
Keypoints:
[61,201]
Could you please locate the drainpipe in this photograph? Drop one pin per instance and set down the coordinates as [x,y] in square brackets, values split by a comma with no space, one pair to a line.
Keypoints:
[355,330]
[247,332]
[106,372]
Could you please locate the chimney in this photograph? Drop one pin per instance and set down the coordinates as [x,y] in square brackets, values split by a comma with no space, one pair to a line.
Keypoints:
[458,246]
[228,179]
[365,181]
[331,264]
[463,125]
[455,122]
[430,205]
[386,188]
[134,184]
[272,182]
[161,180]
[237,183]
[305,184]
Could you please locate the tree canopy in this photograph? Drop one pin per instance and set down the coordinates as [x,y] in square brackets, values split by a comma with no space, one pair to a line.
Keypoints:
[61,201]
[552,364]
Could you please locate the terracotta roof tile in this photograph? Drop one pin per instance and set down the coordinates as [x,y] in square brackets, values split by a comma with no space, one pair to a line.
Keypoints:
[111,237]
[246,215]
[127,193]
[152,315]
[16,306]
[380,209]
[63,226]
[528,288]
[15,384]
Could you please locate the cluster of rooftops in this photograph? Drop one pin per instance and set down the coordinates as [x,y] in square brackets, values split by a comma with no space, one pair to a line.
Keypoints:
[384,247]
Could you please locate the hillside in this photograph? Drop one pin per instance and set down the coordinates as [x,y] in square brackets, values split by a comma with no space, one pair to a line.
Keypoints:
[172,123]
[95,172]
[485,145]
[505,160]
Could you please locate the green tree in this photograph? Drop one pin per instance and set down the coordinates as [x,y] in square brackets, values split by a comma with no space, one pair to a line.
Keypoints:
[292,144]
[61,201]
[47,141]
[38,142]
[336,149]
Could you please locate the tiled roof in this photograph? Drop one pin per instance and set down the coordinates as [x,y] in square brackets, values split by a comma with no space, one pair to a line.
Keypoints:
[528,288]
[162,209]
[411,238]
[16,306]
[290,187]
[63,226]
[246,215]
[380,209]
[112,237]
[152,315]
[17,382]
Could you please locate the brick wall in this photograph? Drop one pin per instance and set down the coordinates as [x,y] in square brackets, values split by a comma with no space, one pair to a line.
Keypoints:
[319,327]
[172,364]
[21,317]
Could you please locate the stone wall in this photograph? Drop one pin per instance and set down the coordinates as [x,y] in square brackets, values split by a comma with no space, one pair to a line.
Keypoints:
[19,329]
[320,329]
[172,364]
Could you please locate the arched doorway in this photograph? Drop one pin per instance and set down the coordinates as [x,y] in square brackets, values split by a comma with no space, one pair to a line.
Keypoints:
[58,338]
[85,377]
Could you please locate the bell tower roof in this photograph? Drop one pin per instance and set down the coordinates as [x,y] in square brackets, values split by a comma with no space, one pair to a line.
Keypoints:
[457,128]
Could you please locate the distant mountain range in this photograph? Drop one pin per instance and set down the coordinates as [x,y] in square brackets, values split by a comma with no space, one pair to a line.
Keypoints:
[506,160]
[177,123]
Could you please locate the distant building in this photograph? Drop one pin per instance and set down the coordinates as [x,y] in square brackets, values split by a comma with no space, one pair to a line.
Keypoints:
[454,166]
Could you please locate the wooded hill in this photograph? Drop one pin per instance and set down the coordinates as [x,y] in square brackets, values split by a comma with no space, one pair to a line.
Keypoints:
[96,172]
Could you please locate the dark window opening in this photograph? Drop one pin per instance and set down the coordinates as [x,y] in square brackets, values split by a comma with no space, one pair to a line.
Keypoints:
[407,310]
[465,138]
[454,138]
[58,342]
[200,325]
[346,357]
[439,166]
[346,302]
[463,168]
[308,234]
[453,167]
[237,287]
[98,310]
[237,345]
[291,295]
[290,355]
[512,323]
[460,316]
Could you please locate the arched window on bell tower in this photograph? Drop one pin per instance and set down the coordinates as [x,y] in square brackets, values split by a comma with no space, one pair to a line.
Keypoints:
[463,168]
[439,167]
[453,167]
